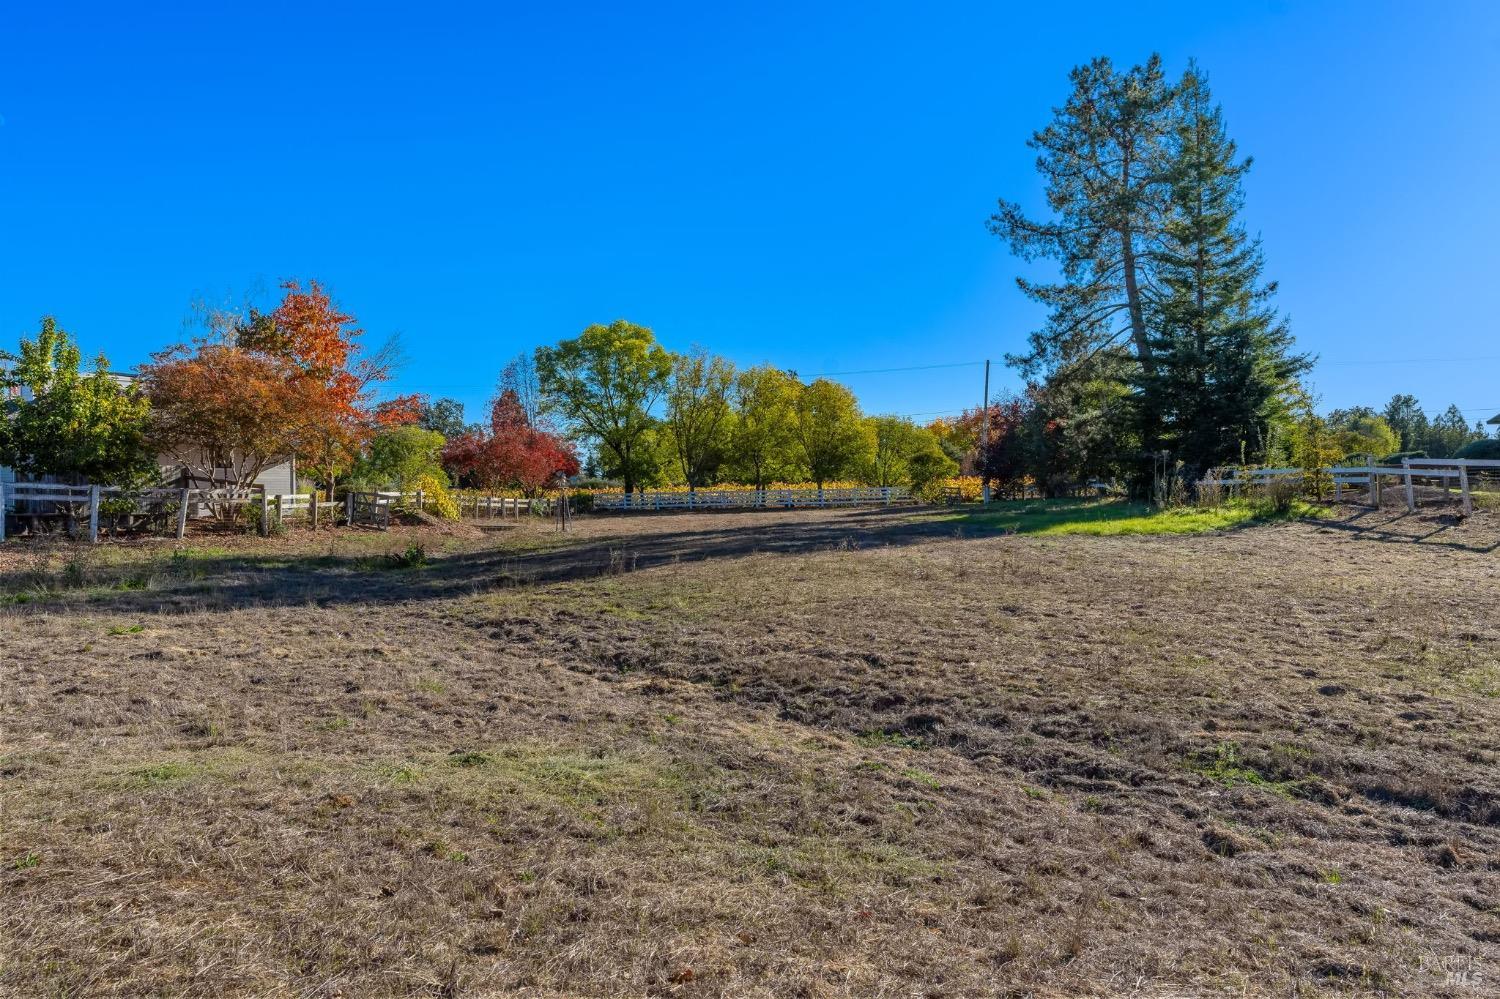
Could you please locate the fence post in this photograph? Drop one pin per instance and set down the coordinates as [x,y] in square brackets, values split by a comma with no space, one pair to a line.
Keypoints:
[420,500]
[183,498]
[1463,484]
[1374,484]
[349,509]
[93,514]
[312,507]
[2,510]
[279,498]
[1411,496]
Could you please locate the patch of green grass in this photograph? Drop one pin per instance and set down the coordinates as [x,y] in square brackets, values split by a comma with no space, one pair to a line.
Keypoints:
[1225,766]
[880,737]
[121,629]
[443,851]
[921,777]
[26,861]
[429,685]
[162,774]
[1109,517]
[336,724]
[400,773]
[1483,680]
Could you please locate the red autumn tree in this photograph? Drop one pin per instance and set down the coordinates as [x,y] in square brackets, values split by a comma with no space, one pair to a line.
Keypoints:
[1004,462]
[513,453]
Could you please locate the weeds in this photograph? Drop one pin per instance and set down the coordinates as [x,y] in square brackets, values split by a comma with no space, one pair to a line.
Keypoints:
[414,557]
[882,737]
[1226,766]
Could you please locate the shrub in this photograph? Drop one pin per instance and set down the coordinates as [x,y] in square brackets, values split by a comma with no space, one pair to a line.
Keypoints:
[1485,450]
[1395,459]
[436,498]
[414,557]
[1278,495]
[1210,491]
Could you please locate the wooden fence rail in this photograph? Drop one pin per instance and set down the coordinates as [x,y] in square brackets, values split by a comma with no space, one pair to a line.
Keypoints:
[1371,475]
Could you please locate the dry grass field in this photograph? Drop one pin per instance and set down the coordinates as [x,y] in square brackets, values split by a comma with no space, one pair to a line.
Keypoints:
[855,753]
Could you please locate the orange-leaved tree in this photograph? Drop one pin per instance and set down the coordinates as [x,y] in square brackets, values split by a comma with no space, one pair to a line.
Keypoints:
[264,387]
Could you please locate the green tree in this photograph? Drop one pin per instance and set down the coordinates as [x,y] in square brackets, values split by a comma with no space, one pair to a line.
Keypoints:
[1103,158]
[830,432]
[1223,358]
[699,414]
[763,446]
[1314,443]
[1405,416]
[1448,433]
[1362,431]
[1080,427]
[61,422]
[445,416]
[905,454]
[402,455]
[603,384]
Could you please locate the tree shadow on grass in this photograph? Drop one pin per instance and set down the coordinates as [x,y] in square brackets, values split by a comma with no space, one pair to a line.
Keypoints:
[171,585]
[178,585]
[1438,530]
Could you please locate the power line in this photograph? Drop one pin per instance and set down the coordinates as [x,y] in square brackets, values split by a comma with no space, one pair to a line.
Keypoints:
[883,371]
[1414,360]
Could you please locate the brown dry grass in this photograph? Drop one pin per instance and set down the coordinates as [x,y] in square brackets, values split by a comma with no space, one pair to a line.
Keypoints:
[843,754]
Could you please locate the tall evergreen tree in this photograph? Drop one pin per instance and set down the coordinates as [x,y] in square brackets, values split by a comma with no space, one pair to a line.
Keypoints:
[1102,158]
[1406,417]
[1223,357]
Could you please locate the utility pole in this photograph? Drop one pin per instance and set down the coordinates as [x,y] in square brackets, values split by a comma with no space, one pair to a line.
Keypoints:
[984,440]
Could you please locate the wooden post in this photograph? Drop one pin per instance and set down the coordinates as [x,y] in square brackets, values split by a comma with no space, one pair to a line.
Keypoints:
[420,500]
[93,514]
[1463,484]
[312,507]
[1374,484]
[1411,496]
[279,519]
[348,509]
[184,496]
[2,510]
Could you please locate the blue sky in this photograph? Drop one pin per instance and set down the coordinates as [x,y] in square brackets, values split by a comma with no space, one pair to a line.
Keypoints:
[794,183]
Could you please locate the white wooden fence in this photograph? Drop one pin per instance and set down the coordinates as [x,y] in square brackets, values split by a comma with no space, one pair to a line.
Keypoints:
[492,507]
[722,499]
[1447,471]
